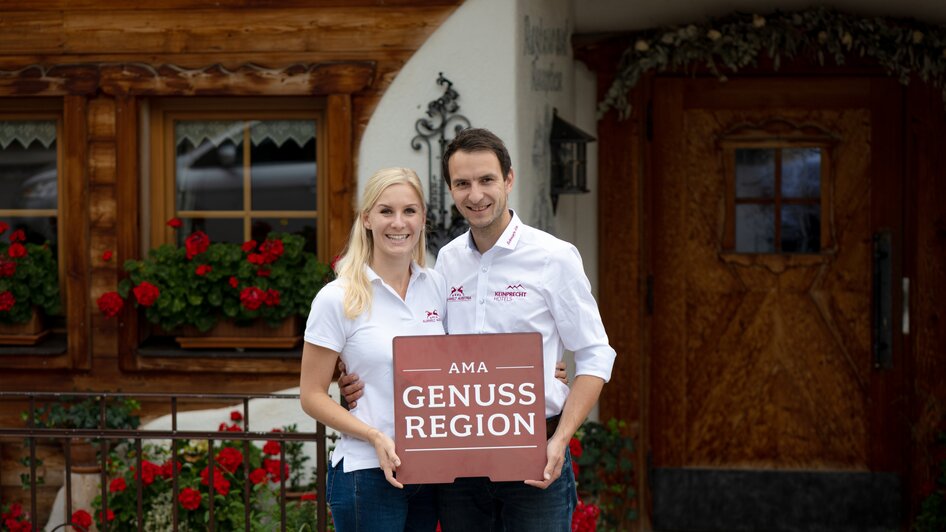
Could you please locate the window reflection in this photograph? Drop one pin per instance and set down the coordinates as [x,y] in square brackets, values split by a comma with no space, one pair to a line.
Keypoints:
[755,228]
[801,228]
[801,172]
[755,173]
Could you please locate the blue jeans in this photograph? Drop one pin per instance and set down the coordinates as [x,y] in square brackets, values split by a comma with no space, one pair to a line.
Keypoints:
[364,501]
[478,504]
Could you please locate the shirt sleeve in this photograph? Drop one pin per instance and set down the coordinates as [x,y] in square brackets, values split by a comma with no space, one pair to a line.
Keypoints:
[576,314]
[327,325]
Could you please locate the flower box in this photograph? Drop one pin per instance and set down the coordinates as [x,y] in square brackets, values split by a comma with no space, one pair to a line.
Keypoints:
[256,335]
[29,333]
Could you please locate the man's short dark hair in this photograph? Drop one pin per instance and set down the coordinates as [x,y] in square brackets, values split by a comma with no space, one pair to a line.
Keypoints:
[476,139]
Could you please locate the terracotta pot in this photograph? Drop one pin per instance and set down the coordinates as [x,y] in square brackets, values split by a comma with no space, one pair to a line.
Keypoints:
[259,335]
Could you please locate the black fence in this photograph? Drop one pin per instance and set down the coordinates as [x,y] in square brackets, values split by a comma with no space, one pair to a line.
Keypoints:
[130,442]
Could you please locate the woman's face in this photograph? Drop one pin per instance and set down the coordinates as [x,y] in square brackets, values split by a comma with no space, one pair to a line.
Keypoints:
[396,221]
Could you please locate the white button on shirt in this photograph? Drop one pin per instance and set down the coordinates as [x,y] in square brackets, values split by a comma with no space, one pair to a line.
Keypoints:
[366,348]
[529,281]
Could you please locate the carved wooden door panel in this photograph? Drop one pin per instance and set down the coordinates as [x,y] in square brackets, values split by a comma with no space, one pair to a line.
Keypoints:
[763,388]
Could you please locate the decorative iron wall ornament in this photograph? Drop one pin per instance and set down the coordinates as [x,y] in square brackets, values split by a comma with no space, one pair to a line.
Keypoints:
[443,223]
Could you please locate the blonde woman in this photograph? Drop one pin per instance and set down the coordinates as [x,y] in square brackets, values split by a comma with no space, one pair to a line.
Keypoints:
[383,290]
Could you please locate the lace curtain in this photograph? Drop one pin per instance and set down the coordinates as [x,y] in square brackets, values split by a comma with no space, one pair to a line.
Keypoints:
[26,132]
[219,131]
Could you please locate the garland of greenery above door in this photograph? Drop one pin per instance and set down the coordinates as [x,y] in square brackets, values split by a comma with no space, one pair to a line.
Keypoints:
[903,47]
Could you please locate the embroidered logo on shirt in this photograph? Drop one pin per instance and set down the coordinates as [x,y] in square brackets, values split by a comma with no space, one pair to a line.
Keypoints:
[456,294]
[511,293]
[432,316]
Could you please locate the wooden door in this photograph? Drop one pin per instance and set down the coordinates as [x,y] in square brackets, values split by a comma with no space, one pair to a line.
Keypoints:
[766,409]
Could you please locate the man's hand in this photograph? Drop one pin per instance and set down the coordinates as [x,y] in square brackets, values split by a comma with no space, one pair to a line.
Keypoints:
[555,451]
[350,386]
[560,372]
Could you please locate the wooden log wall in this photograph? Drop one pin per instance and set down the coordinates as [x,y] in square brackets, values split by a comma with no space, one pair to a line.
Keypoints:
[97,57]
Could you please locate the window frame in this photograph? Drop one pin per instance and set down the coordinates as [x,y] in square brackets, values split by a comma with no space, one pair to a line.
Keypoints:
[779,135]
[164,111]
[72,211]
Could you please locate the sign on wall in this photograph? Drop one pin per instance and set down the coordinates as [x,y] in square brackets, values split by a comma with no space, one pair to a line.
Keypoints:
[469,405]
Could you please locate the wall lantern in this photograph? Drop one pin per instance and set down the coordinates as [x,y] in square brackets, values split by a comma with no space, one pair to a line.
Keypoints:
[569,159]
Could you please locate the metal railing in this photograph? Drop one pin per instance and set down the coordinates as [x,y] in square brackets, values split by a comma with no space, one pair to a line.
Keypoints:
[31,432]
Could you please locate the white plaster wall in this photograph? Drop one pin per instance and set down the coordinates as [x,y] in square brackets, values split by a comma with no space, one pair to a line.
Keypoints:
[475,49]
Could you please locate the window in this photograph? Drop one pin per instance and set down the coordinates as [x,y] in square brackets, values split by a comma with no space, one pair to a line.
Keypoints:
[236,171]
[776,191]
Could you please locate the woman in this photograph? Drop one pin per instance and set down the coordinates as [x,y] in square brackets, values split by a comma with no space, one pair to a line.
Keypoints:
[382,290]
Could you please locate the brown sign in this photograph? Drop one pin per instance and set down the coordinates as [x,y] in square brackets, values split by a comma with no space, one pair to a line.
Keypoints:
[469,405]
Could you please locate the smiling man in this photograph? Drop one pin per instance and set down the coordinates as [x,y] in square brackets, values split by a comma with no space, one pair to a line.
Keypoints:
[518,279]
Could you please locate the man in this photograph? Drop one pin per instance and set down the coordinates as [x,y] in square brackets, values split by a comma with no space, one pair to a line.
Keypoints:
[521,280]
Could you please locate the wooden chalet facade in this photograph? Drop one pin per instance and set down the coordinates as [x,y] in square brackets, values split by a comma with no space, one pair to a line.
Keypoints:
[110,76]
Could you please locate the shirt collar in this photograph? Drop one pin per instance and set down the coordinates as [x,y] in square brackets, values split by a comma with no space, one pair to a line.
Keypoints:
[416,271]
[510,237]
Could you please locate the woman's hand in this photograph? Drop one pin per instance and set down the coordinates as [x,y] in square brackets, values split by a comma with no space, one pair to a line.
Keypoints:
[384,447]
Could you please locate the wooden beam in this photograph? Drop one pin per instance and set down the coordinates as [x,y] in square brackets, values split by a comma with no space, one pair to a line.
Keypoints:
[338,207]
[75,221]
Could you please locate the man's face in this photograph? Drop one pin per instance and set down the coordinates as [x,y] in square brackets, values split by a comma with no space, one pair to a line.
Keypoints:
[479,190]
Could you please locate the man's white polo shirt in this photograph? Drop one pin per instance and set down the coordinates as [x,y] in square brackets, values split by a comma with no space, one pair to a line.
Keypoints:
[366,348]
[528,281]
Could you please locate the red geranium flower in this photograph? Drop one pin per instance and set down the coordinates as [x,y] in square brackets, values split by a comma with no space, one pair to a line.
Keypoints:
[234,282]
[203,269]
[175,223]
[82,518]
[190,498]
[256,258]
[110,304]
[272,467]
[16,250]
[148,471]
[18,236]
[574,445]
[3,227]
[6,301]
[234,428]
[222,427]
[167,470]
[7,269]
[271,250]
[252,297]
[335,260]
[107,255]
[309,497]
[220,484]
[248,246]
[229,459]
[272,447]
[263,272]
[117,485]
[258,475]
[110,515]
[196,243]
[235,415]
[272,297]
[146,293]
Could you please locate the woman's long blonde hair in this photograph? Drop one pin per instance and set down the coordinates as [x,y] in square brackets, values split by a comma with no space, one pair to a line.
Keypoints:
[360,249]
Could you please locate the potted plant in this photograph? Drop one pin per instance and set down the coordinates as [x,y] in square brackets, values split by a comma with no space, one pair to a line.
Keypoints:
[233,467]
[193,288]
[69,412]
[602,457]
[29,287]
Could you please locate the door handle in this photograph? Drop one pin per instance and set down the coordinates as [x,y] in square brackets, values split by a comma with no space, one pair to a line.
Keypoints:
[882,301]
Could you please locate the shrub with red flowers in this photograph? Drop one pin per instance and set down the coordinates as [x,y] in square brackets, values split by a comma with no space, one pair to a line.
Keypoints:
[234,464]
[13,518]
[204,281]
[602,456]
[29,277]
[932,514]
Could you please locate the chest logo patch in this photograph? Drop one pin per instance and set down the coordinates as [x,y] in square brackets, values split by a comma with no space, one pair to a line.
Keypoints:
[456,294]
[512,292]
[432,316]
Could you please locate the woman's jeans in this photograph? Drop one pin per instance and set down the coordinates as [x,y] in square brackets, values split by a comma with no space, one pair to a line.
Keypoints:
[364,501]
[478,504]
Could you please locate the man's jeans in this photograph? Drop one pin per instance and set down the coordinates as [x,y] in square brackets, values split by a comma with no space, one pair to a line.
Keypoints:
[477,504]
[363,501]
